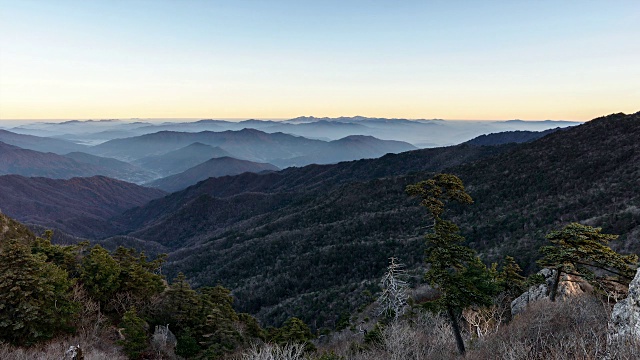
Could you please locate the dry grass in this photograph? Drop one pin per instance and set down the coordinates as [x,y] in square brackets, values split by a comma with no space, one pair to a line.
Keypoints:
[275,352]
[92,349]
[564,330]
[575,329]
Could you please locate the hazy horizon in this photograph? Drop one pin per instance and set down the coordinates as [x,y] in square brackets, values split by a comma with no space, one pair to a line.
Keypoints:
[3,122]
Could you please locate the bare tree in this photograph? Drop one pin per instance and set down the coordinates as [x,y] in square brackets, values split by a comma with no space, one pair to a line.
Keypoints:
[393,301]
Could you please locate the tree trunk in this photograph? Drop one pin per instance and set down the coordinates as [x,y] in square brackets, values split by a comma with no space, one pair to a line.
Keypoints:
[456,330]
[555,285]
[508,314]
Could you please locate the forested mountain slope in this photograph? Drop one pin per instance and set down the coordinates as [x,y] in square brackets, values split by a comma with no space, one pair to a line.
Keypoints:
[506,137]
[263,245]
[77,206]
[589,173]
[25,162]
[308,179]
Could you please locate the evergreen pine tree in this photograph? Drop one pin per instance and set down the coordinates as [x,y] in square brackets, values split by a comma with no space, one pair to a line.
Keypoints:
[454,270]
[135,334]
[579,250]
[100,274]
[35,299]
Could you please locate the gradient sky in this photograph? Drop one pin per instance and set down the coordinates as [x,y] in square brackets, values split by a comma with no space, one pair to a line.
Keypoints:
[572,60]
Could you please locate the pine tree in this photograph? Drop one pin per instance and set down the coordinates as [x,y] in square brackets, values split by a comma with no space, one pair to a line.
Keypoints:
[135,334]
[510,278]
[139,277]
[511,282]
[100,274]
[217,330]
[294,330]
[64,256]
[35,299]
[180,305]
[579,250]
[454,270]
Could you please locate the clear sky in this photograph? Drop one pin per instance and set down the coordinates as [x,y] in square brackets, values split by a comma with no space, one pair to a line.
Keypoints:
[558,59]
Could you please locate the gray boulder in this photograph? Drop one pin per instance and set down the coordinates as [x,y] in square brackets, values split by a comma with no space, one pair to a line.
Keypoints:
[73,353]
[625,317]
[163,339]
[570,286]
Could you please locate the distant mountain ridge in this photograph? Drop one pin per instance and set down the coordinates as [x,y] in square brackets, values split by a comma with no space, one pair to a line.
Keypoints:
[38,143]
[419,132]
[31,163]
[506,137]
[248,144]
[16,160]
[177,161]
[113,168]
[215,167]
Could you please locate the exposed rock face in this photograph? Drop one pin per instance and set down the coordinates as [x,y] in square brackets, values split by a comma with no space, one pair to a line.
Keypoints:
[163,338]
[625,317]
[74,353]
[570,286]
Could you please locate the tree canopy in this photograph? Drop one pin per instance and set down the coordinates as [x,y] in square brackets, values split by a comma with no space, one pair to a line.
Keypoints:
[584,251]
[454,269]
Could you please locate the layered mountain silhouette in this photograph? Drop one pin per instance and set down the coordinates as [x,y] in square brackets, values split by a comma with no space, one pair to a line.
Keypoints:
[15,160]
[215,167]
[177,161]
[348,148]
[113,168]
[18,161]
[248,144]
[38,143]
[421,132]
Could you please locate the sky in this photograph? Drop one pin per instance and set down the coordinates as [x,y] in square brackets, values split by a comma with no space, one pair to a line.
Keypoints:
[485,60]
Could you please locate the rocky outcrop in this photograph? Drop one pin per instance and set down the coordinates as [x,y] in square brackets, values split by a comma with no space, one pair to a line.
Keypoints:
[163,339]
[625,317]
[74,353]
[570,286]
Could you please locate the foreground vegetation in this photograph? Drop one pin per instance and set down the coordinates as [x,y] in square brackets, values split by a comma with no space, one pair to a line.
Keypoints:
[572,329]
[83,294]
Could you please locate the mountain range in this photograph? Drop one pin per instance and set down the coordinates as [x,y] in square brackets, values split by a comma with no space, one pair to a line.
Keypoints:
[421,133]
[249,144]
[17,161]
[38,143]
[261,233]
[113,168]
